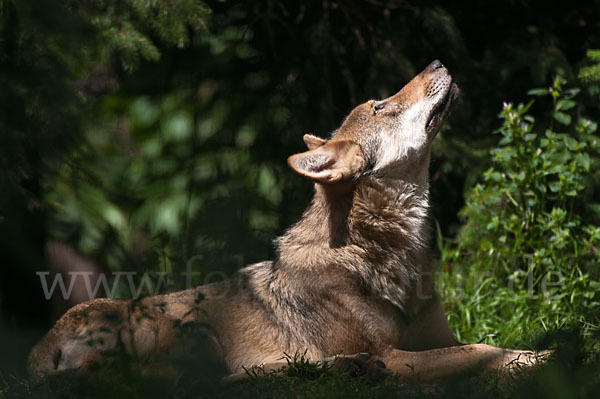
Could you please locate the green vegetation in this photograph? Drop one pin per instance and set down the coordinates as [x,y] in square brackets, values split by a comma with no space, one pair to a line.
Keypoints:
[526,259]
[151,136]
[591,73]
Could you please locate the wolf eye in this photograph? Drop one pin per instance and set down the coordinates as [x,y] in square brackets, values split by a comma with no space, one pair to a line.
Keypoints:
[378,107]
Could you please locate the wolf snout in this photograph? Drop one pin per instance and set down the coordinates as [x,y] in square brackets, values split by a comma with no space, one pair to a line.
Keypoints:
[436,64]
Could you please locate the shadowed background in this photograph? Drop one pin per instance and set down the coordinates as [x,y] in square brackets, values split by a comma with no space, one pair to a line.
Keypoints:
[153,136]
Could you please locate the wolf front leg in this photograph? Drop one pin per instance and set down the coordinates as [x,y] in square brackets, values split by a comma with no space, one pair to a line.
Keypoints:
[420,367]
[437,364]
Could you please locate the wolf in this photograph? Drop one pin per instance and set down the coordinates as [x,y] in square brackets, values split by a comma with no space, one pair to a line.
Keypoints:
[353,276]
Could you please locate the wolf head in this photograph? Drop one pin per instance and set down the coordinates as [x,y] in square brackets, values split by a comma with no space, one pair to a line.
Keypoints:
[389,138]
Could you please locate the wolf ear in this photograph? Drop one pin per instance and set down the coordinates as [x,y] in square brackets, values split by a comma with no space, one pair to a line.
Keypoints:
[331,162]
[313,142]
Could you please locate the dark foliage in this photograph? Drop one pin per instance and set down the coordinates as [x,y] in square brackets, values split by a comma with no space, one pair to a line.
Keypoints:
[153,136]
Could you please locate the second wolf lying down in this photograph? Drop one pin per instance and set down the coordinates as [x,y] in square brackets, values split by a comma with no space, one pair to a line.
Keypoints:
[352,275]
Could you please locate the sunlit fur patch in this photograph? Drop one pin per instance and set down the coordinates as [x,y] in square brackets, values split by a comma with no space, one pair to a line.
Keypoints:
[408,135]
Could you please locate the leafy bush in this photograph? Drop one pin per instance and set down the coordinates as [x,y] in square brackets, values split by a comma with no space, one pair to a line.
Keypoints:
[526,259]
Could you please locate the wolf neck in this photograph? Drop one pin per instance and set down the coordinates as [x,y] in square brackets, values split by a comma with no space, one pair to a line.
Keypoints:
[376,230]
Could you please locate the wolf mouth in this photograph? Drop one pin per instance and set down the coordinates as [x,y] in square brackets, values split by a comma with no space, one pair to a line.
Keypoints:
[439,112]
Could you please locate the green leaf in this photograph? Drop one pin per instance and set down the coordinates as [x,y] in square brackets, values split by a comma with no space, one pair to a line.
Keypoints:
[572,92]
[571,143]
[564,105]
[485,243]
[496,176]
[541,91]
[505,141]
[555,186]
[522,109]
[584,160]
[563,118]
[267,185]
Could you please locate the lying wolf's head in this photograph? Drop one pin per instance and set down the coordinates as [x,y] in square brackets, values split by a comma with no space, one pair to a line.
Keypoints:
[389,138]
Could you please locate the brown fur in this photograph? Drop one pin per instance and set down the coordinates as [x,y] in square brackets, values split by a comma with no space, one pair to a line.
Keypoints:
[352,275]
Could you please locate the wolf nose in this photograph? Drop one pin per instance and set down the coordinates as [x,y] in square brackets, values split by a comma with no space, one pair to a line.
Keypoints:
[436,65]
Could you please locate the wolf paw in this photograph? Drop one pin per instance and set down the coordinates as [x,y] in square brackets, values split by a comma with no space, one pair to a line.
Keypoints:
[363,365]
